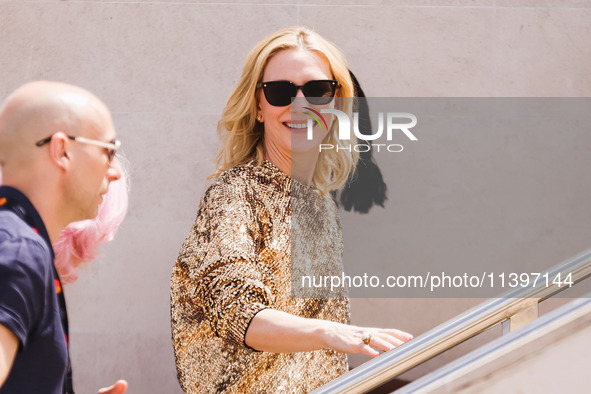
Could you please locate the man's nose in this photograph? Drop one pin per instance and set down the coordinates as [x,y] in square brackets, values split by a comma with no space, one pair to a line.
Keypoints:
[114,171]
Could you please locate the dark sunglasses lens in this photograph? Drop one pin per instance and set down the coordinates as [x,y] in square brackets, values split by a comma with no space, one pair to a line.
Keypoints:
[319,92]
[279,93]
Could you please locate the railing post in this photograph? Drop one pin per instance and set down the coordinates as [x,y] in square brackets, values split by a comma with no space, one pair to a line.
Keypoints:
[521,318]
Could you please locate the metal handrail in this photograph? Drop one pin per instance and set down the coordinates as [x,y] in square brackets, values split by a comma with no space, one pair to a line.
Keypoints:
[577,310]
[457,330]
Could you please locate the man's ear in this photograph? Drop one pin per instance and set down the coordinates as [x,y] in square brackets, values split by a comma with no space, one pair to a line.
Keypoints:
[58,150]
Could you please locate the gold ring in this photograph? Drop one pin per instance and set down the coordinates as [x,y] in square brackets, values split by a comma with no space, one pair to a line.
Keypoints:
[366,337]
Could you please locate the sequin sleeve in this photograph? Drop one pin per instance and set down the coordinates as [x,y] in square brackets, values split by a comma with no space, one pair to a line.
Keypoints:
[220,257]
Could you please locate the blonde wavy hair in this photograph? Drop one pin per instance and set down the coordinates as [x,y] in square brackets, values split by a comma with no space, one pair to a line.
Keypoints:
[243,137]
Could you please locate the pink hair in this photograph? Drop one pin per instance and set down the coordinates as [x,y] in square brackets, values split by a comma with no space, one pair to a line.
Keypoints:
[79,241]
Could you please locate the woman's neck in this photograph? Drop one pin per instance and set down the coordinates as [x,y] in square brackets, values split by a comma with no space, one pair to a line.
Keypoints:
[299,166]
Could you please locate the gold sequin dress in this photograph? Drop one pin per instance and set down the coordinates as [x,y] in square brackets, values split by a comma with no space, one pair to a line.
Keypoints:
[237,261]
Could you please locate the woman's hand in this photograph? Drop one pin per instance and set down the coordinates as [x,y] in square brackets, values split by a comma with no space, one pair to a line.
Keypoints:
[353,339]
[279,332]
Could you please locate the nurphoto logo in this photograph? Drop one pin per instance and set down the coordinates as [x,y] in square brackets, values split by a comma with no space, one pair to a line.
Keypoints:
[393,124]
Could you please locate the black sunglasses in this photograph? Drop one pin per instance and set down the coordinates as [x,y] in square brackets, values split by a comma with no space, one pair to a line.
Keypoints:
[280,93]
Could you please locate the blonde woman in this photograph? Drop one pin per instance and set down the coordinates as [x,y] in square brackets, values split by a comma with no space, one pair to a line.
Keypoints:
[235,325]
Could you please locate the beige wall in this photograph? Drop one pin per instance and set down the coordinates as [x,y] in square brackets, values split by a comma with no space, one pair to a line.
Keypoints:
[165,69]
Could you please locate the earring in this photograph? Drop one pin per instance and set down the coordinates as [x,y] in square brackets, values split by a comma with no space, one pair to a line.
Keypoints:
[260,118]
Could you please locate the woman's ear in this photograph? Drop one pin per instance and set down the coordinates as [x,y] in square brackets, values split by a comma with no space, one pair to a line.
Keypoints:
[259,115]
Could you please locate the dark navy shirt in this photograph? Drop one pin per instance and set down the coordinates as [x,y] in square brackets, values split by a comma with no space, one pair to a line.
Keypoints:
[28,301]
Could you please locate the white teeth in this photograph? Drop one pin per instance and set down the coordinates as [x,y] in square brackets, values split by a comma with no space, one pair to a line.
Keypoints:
[297,126]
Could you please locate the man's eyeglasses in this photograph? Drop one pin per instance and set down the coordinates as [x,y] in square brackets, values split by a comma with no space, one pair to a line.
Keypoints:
[280,93]
[111,147]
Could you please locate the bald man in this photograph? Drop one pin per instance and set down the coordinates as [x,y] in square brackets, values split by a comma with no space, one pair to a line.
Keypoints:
[57,156]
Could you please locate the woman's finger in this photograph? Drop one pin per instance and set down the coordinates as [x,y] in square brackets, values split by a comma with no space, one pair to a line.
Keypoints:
[369,351]
[395,342]
[379,343]
[403,336]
